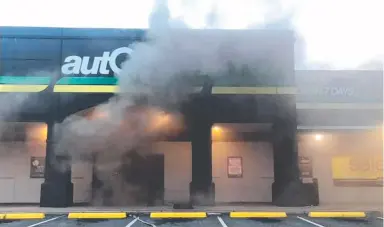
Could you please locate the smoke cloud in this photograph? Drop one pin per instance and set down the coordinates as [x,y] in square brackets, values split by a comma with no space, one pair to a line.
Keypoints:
[14,104]
[160,72]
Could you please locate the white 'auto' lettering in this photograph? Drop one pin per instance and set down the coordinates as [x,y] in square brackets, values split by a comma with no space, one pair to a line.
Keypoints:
[75,65]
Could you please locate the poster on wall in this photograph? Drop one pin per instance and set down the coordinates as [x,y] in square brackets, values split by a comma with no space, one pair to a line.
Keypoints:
[357,171]
[305,166]
[37,167]
[235,167]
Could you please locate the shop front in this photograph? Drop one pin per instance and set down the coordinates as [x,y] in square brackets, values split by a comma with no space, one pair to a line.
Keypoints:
[238,143]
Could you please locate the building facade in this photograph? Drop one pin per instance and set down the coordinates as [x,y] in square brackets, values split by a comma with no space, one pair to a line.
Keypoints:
[298,137]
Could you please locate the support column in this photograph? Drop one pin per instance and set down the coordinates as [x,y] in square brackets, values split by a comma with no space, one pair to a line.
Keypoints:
[202,189]
[57,189]
[287,188]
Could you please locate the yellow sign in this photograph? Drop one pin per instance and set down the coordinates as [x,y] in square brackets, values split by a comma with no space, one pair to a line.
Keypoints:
[358,169]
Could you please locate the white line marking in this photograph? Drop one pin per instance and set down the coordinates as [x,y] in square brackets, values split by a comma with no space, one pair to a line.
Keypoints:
[45,221]
[132,222]
[147,223]
[310,222]
[221,221]
[380,218]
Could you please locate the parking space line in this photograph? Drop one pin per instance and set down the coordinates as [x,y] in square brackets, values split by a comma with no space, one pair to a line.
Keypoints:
[147,223]
[310,222]
[42,222]
[132,222]
[221,221]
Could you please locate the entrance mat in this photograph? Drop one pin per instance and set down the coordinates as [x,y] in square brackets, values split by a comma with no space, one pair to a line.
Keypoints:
[337,214]
[97,215]
[258,214]
[176,215]
[21,216]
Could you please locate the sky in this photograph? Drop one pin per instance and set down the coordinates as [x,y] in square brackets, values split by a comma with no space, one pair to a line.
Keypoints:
[340,33]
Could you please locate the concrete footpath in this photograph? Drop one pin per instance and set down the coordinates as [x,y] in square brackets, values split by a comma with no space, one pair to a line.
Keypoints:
[220,209]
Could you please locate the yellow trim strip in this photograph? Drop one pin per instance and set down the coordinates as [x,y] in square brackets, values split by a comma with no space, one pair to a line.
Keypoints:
[22,88]
[215,90]
[337,214]
[178,215]
[287,90]
[86,88]
[2,216]
[96,88]
[23,216]
[339,106]
[254,90]
[258,214]
[97,215]
[244,90]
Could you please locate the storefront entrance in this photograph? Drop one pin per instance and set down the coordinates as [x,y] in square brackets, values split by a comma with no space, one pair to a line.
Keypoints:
[136,180]
[242,172]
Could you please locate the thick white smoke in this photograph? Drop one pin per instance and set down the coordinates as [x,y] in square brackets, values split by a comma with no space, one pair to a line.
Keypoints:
[159,69]
[174,52]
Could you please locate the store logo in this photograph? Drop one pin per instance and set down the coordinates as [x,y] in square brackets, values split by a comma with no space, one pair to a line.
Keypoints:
[328,91]
[101,65]
[366,164]
[338,91]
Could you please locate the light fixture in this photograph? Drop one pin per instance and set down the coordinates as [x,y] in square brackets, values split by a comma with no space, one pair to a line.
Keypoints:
[216,129]
[217,134]
[38,131]
[319,137]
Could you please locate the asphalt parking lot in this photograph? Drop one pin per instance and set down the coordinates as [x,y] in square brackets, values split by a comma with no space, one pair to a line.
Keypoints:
[211,221]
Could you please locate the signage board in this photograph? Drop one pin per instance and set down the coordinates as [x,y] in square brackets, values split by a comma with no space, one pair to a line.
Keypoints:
[357,170]
[88,59]
[76,55]
[37,167]
[235,167]
[339,86]
[305,166]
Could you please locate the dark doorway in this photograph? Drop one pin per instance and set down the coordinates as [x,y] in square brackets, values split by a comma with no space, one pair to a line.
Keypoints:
[139,180]
[147,173]
[155,179]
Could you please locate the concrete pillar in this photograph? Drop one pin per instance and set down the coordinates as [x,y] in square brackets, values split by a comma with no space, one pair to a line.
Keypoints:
[199,122]
[57,189]
[202,189]
[287,188]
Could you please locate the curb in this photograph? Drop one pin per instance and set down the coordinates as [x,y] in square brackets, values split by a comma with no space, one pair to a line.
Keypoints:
[189,215]
[22,216]
[336,214]
[169,215]
[97,215]
[258,215]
